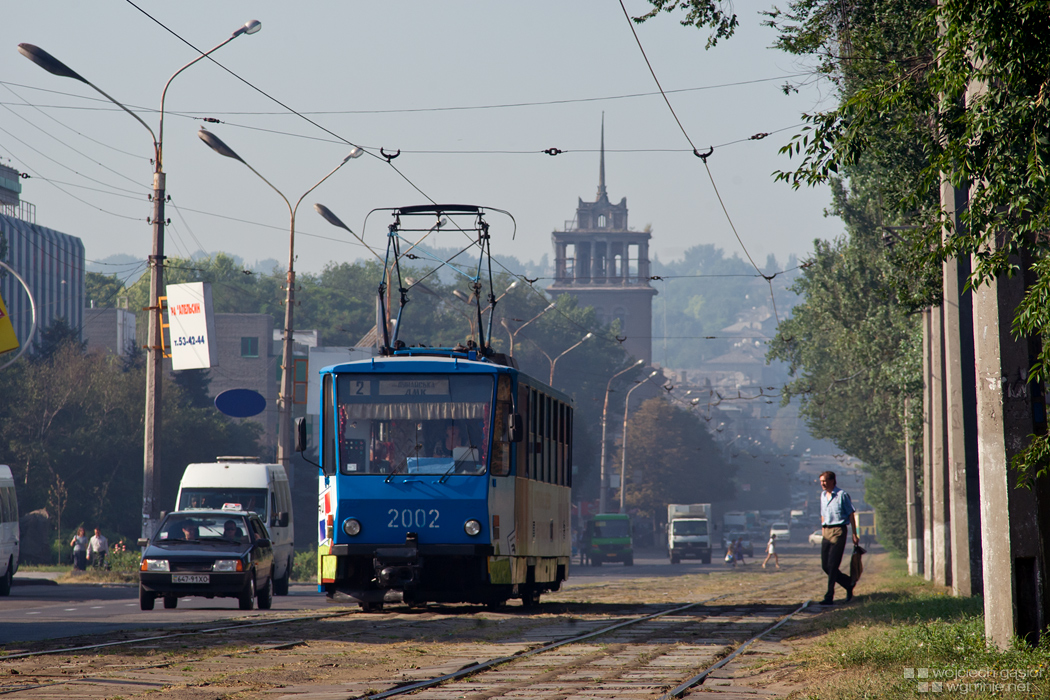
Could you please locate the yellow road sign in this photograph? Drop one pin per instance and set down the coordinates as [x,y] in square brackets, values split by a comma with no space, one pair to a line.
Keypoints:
[8,339]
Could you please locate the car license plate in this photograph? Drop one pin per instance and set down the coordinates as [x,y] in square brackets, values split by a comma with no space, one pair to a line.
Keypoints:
[190,578]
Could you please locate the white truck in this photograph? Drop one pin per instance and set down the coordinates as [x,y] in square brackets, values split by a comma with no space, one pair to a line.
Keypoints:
[689,532]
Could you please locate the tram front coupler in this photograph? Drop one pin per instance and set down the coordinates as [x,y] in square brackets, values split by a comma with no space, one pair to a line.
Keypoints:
[399,566]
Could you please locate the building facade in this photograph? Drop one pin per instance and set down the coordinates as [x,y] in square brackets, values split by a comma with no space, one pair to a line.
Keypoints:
[604,264]
[109,330]
[51,263]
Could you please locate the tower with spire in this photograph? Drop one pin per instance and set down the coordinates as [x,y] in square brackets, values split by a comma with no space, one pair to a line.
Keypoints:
[604,264]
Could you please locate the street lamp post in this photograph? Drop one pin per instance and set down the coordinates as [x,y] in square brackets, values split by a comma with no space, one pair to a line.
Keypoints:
[155,342]
[554,362]
[623,459]
[284,398]
[515,333]
[603,492]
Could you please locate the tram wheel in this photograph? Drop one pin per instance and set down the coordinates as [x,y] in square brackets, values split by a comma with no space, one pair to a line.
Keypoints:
[530,598]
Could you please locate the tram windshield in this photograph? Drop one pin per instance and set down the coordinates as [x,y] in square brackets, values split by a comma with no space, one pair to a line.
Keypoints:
[413,424]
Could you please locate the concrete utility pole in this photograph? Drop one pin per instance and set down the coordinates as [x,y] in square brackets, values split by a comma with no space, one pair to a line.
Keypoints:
[914,506]
[927,449]
[1014,527]
[155,338]
[961,424]
[938,504]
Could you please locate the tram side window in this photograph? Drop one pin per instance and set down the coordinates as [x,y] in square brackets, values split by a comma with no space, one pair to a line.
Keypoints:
[501,446]
[546,439]
[560,433]
[568,447]
[552,406]
[534,435]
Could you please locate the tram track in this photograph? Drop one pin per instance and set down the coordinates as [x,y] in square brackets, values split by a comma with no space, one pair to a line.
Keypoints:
[558,649]
[591,657]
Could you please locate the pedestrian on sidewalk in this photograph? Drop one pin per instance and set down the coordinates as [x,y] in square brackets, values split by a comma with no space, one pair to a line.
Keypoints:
[79,543]
[836,515]
[98,548]
[731,554]
[771,551]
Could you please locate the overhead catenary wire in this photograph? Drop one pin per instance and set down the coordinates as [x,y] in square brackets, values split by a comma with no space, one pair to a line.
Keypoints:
[703,157]
[450,108]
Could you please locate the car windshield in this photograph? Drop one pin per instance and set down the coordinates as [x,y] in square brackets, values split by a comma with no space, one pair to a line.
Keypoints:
[779,526]
[611,528]
[215,498]
[196,527]
[689,527]
[413,424]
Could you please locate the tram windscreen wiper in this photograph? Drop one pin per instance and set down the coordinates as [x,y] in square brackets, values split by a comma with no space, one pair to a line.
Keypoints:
[394,471]
[473,450]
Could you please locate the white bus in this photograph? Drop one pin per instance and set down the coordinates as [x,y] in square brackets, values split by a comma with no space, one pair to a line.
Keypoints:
[9,534]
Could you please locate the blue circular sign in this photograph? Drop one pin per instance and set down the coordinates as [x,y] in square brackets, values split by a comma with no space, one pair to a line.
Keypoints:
[241,403]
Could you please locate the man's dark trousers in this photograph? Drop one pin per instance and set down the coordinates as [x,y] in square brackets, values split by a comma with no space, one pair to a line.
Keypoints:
[832,547]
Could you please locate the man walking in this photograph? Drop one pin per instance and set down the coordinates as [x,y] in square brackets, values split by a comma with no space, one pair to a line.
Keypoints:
[836,514]
[98,547]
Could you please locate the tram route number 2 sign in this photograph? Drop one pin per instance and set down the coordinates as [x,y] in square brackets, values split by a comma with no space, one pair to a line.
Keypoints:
[413,387]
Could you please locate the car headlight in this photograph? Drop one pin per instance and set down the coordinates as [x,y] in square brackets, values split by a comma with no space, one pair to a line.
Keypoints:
[351,527]
[227,565]
[472,527]
[155,565]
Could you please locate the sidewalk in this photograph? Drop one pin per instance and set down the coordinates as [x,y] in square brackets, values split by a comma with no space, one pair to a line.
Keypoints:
[36,578]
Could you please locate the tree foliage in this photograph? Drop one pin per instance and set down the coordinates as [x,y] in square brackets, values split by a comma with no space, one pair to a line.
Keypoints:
[853,343]
[671,458]
[102,290]
[73,431]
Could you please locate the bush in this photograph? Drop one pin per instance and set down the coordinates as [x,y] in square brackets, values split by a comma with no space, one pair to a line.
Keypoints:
[123,559]
[304,569]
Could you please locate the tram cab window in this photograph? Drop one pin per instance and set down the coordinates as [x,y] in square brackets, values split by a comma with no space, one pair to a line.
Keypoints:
[501,445]
[414,424]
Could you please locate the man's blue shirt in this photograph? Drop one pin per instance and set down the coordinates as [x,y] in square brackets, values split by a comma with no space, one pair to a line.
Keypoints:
[836,507]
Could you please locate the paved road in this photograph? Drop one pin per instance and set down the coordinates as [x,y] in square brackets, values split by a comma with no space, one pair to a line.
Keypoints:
[37,612]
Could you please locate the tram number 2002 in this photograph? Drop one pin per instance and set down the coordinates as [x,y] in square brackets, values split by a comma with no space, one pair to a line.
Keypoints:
[413,518]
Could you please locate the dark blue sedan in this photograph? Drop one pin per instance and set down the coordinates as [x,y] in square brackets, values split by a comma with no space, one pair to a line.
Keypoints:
[210,554]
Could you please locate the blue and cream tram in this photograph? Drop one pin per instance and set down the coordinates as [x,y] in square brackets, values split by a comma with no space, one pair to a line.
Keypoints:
[445,477]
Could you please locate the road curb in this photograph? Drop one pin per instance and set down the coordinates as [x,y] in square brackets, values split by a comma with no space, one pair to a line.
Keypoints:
[32,581]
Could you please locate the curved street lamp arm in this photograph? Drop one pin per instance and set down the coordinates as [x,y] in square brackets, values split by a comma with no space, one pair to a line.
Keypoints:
[329,216]
[554,362]
[164,95]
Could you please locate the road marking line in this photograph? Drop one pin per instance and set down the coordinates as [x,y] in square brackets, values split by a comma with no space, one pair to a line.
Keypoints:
[35,612]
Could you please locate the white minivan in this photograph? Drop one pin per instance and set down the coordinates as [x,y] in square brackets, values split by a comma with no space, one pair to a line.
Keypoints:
[8,529]
[252,486]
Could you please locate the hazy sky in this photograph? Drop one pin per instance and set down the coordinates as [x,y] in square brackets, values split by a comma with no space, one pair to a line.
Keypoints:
[397,76]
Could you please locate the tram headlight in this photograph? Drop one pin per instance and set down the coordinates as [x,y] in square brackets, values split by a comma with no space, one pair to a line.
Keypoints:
[351,527]
[472,527]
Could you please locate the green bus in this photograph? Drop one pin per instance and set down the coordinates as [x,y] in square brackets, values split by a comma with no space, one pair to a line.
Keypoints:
[608,537]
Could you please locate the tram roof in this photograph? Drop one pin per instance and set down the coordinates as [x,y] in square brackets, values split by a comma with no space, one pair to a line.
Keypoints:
[438,363]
